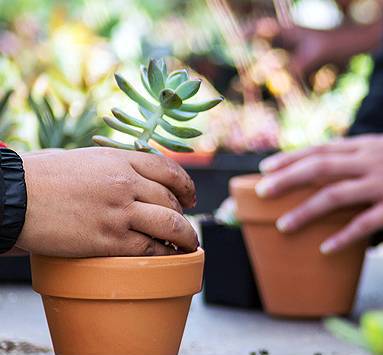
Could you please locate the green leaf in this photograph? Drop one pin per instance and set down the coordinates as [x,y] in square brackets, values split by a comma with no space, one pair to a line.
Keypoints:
[164,70]
[107,142]
[119,126]
[176,78]
[188,89]
[145,81]
[156,79]
[132,93]
[125,118]
[48,109]
[372,330]
[169,99]
[180,132]
[172,144]
[146,113]
[201,106]
[345,330]
[180,115]
[4,101]
[44,129]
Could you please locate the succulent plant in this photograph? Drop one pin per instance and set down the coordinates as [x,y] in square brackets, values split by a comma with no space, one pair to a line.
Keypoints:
[64,131]
[170,93]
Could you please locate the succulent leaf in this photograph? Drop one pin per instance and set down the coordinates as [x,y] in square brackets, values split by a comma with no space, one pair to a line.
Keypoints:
[125,118]
[188,89]
[122,127]
[180,132]
[132,93]
[173,145]
[155,76]
[107,142]
[4,101]
[201,106]
[169,99]
[176,78]
[345,330]
[162,65]
[372,330]
[145,81]
[180,115]
[148,115]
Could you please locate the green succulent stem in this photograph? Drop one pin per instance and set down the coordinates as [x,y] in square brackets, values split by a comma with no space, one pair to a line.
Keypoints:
[152,123]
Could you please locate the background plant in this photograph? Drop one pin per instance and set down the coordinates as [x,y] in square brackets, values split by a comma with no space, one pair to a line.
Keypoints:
[64,130]
[170,93]
[7,127]
[369,335]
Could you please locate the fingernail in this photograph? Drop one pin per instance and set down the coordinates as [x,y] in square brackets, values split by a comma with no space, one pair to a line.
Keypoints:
[267,165]
[328,247]
[285,223]
[263,188]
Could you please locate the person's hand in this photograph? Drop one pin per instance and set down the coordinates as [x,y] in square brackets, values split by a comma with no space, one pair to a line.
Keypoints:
[105,202]
[359,161]
[311,49]
[308,48]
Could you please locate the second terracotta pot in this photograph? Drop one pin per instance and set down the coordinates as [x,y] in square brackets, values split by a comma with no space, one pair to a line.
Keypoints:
[117,306]
[294,278]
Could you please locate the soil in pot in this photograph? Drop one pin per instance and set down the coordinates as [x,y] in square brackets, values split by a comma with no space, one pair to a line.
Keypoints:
[117,306]
[294,278]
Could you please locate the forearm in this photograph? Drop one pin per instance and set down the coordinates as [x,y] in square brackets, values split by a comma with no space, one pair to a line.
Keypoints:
[350,40]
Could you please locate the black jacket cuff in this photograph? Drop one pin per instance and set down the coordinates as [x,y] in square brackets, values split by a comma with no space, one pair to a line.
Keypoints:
[13,197]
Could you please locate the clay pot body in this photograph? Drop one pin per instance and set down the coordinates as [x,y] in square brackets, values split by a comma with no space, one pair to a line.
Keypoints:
[294,278]
[199,159]
[117,306]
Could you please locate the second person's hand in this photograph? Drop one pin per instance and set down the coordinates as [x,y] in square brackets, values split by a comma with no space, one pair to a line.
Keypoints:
[359,163]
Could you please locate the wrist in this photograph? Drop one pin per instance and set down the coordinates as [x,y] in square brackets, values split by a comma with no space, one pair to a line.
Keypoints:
[13,196]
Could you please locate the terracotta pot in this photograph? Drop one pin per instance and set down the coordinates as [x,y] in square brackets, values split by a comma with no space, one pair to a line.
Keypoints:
[201,159]
[294,278]
[117,306]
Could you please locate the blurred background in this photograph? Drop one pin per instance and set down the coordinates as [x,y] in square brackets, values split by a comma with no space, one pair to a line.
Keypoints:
[57,59]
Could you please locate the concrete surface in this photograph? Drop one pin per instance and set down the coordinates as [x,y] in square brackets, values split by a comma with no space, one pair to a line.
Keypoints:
[211,330]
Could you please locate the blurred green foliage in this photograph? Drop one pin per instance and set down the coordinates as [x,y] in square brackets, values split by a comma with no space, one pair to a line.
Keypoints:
[63,130]
[68,50]
[369,335]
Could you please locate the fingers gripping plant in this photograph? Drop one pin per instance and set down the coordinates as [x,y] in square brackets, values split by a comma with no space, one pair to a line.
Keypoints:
[169,91]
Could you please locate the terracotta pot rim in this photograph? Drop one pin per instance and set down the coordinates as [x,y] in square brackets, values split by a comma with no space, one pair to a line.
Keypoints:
[118,277]
[252,208]
[249,182]
[129,260]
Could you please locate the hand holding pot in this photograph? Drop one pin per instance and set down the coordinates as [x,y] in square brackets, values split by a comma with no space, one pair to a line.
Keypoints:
[359,163]
[105,202]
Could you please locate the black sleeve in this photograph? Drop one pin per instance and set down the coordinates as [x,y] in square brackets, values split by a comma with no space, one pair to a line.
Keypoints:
[369,119]
[370,116]
[13,196]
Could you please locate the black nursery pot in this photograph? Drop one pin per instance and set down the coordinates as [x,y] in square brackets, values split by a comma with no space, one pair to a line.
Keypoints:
[15,269]
[212,181]
[228,274]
